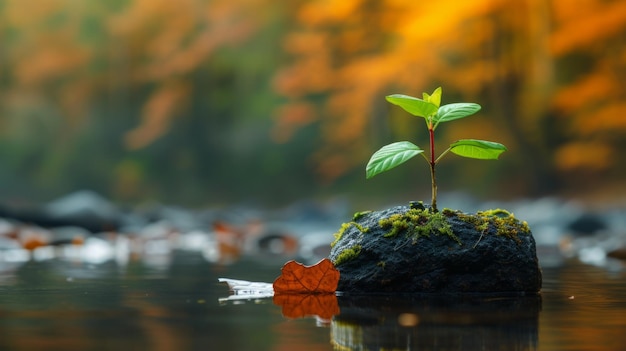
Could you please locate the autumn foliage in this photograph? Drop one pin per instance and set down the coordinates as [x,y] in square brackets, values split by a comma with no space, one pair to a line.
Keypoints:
[296,278]
[549,73]
[129,97]
[307,290]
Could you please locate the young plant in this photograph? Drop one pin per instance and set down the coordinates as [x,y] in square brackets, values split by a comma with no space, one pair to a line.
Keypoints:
[429,108]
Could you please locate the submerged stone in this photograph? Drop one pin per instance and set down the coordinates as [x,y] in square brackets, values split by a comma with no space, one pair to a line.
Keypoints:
[410,249]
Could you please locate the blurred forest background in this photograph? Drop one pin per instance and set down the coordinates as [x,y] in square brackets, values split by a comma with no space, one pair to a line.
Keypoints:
[207,102]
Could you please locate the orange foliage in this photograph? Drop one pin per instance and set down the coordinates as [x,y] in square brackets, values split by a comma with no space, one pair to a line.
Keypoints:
[346,57]
[53,60]
[593,102]
[594,87]
[157,113]
[606,120]
[587,26]
[155,45]
[176,46]
[327,11]
[291,117]
[584,155]
[320,278]
[356,53]
[188,33]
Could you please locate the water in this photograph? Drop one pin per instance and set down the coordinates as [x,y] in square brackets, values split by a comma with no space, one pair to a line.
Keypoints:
[173,305]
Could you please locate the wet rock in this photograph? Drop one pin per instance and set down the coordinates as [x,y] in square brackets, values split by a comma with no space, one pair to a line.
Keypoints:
[408,249]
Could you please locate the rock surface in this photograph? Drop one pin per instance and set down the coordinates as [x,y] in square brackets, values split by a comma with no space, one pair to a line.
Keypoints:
[408,249]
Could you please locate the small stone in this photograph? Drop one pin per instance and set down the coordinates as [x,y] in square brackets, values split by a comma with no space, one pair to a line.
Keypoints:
[410,249]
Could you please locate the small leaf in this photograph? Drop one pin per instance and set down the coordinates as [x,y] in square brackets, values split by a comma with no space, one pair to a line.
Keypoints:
[451,112]
[390,156]
[412,105]
[435,98]
[480,149]
[297,278]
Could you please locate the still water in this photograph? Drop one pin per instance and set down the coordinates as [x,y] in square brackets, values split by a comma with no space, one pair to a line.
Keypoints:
[61,305]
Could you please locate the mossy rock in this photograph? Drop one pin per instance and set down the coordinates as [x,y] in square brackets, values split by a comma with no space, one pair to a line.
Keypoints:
[411,249]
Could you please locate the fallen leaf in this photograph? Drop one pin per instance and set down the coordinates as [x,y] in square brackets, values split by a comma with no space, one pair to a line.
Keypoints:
[296,278]
[324,306]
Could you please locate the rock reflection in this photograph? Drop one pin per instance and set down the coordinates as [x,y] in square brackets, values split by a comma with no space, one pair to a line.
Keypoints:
[436,323]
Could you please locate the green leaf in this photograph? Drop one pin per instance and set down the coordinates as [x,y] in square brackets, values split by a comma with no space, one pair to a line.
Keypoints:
[480,149]
[451,112]
[412,105]
[435,98]
[390,156]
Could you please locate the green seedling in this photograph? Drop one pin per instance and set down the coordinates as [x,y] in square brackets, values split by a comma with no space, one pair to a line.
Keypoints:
[394,154]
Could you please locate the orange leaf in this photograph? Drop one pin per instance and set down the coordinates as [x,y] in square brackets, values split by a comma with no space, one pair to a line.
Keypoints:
[324,306]
[321,278]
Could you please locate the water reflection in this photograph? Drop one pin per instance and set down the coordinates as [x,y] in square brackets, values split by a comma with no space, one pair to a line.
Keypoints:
[436,323]
[407,322]
[322,306]
[61,305]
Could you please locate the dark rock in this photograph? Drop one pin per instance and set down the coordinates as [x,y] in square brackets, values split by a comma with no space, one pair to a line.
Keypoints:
[619,253]
[408,249]
[587,224]
[84,209]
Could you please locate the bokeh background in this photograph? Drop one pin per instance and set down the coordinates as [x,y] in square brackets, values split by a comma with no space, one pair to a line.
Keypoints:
[209,102]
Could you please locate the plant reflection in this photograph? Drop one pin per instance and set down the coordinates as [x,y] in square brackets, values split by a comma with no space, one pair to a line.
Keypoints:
[441,323]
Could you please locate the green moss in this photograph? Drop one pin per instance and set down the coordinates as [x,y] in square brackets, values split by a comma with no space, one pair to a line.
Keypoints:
[416,223]
[359,215]
[417,205]
[381,264]
[498,212]
[345,227]
[347,255]
[448,212]
[503,221]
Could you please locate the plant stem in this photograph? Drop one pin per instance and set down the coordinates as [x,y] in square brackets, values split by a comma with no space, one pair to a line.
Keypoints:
[433,162]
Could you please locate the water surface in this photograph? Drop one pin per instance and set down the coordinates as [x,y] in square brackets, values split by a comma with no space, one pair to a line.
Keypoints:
[61,305]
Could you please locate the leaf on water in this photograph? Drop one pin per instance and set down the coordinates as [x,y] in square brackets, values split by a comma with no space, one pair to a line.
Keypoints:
[324,306]
[480,149]
[296,278]
[300,290]
[390,156]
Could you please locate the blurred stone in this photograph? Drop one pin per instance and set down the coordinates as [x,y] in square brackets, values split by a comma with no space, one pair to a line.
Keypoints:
[84,209]
[450,252]
[618,253]
[315,246]
[587,224]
